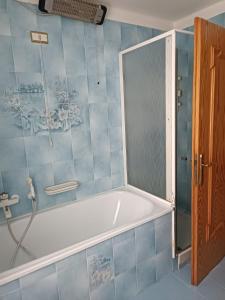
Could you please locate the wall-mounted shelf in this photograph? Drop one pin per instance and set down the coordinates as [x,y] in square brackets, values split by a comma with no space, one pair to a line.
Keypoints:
[62,187]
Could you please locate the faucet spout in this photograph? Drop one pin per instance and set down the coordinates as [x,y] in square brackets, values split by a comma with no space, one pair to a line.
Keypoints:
[7,212]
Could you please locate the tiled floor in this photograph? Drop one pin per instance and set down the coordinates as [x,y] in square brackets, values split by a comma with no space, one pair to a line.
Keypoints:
[176,286]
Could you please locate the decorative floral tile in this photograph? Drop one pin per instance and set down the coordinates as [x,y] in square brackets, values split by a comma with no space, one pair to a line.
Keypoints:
[100,270]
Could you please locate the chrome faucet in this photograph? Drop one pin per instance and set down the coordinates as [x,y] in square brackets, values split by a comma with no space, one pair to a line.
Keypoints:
[6,202]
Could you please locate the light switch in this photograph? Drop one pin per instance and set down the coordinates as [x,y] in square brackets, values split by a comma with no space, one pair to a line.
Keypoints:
[39,37]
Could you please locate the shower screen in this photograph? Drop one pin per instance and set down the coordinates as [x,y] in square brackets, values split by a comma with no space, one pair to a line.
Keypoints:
[146,82]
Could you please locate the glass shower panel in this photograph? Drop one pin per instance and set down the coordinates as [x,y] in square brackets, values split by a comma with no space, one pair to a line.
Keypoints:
[145,117]
[184,63]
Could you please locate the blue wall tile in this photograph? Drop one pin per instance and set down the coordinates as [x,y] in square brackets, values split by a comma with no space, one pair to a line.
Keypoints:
[163,262]
[185,70]
[145,241]
[106,291]
[102,166]
[129,36]
[53,25]
[17,159]
[84,168]
[79,85]
[36,276]
[100,141]
[146,273]
[73,278]
[104,184]
[53,53]
[117,180]
[4,24]
[98,116]
[76,261]
[41,284]
[144,33]
[3,5]
[7,84]
[63,171]
[75,60]
[10,287]
[163,233]
[121,247]
[42,289]
[114,115]
[62,147]
[219,19]
[117,162]
[112,32]
[20,20]
[126,285]
[8,126]
[111,60]
[113,88]
[97,89]
[72,31]
[81,142]
[86,189]
[6,55]
[73,285]
[116,141]
[13,296]
[26,56]
[38,150]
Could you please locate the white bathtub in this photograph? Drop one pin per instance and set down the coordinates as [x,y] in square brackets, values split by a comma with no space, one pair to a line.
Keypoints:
[60,232]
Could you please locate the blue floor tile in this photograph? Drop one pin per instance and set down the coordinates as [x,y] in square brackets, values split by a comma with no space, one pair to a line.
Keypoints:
[211,290]
[170,288]
[177,285]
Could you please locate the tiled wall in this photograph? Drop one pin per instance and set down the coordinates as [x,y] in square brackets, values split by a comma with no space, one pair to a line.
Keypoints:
[117,269]
[70,85]
[219,20]
[185,55]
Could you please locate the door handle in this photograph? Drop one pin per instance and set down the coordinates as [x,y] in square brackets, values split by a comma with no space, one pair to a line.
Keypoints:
[201,167]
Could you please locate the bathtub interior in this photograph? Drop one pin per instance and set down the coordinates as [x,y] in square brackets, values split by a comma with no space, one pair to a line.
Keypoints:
[121,210]
[137,258]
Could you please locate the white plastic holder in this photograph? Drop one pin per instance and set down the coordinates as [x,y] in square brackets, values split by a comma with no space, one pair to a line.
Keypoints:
[62,187]
[6,203]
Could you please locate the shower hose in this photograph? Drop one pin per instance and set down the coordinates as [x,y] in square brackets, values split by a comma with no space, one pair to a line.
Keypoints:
[20,241]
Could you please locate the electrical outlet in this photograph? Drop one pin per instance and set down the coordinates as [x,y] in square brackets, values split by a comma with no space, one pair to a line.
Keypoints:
[39,37]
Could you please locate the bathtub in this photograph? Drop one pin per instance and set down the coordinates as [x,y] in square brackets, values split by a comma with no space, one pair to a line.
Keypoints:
[65,230]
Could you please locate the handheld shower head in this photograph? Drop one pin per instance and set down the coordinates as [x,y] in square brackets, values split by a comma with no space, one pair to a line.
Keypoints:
[31,194]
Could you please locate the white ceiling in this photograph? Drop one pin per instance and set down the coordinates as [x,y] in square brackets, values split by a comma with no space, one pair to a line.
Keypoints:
[171,10]
[162,14]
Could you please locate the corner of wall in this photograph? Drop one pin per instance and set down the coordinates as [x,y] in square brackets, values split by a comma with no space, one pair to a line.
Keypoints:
[205,13]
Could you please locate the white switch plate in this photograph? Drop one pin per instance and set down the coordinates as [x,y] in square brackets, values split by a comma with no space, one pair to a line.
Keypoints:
[39,37]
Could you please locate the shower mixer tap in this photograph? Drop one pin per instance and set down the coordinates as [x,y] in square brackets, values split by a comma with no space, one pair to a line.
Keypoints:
[6,202]
[31,195]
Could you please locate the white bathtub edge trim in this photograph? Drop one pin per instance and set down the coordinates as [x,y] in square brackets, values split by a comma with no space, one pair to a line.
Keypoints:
[35,265]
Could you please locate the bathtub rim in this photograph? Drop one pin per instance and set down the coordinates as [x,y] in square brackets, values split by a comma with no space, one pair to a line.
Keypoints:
[42,262]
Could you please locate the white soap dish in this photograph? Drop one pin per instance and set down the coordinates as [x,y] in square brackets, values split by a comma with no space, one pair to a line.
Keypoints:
[62,187]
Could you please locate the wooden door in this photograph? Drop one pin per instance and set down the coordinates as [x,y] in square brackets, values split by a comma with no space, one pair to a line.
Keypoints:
[208,177]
